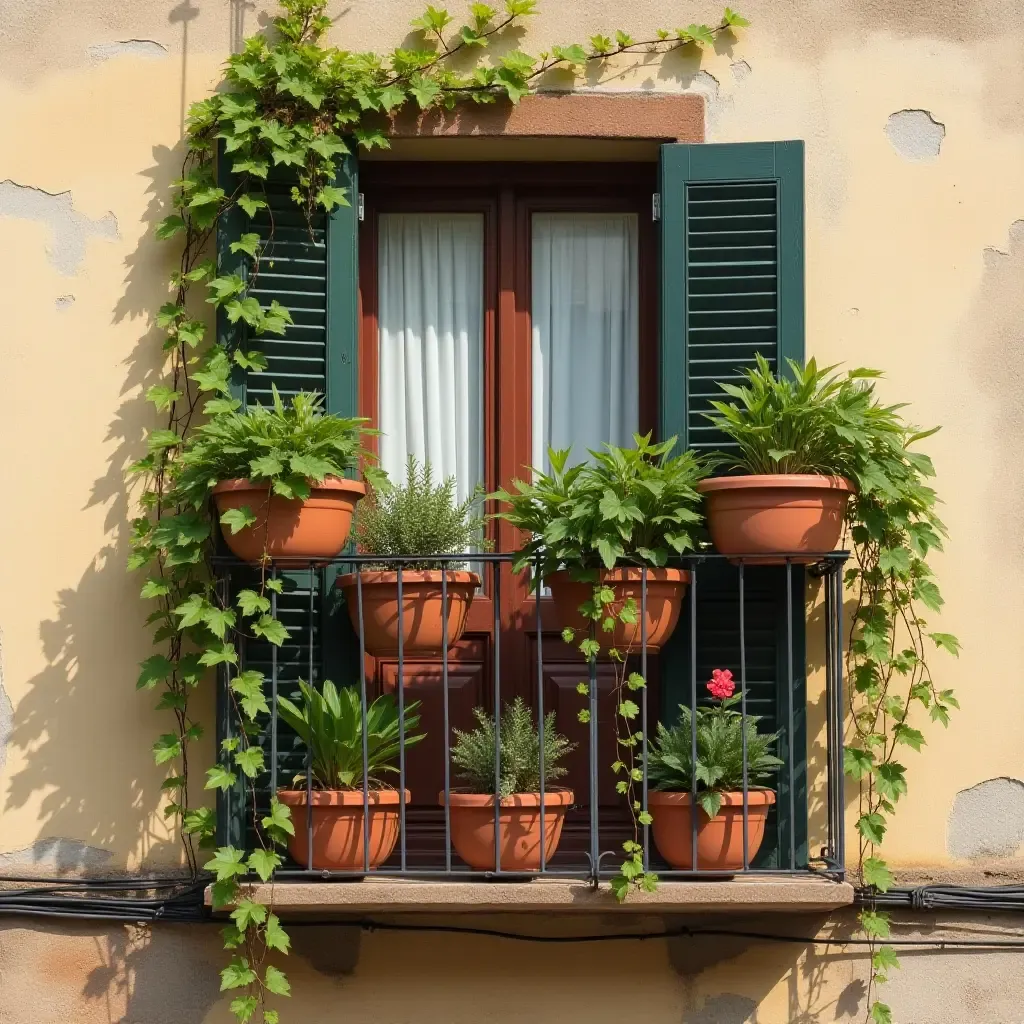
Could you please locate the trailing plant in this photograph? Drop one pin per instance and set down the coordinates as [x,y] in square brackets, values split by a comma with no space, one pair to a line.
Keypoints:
[330,725]
[474,752]
[290,103]
[720,749]
[417,517]
[818,421]
[625,506]
[636,506]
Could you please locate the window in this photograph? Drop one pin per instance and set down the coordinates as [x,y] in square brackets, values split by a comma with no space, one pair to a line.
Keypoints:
[481,312]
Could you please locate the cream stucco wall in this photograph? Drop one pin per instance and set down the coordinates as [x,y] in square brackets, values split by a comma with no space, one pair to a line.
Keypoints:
[913,265]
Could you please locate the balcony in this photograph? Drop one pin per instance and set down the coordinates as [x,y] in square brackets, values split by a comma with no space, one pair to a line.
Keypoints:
[752,619]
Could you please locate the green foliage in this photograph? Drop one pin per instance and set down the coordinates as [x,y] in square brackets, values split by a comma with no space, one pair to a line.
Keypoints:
[417,517]
[473,752]
[625,505]
[330,724]
[719,765]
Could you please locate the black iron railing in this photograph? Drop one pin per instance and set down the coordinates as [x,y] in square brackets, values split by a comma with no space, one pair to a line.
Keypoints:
[320,631]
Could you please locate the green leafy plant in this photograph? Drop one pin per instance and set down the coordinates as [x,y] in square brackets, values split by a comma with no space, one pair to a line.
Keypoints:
[330,724]
[290,103]
[418,517]
[634,505]
[818,421]
[473,752]
[719,765]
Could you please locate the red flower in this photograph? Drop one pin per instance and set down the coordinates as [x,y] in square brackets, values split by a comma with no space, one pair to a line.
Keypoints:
[721,685]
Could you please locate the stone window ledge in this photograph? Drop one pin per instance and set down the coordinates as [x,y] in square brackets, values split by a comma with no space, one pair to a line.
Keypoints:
[374,895]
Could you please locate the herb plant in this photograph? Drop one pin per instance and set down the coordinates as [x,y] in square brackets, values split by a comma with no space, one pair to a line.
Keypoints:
[418,517]
[473,752]
[330,724]
[634,505]
[719,765]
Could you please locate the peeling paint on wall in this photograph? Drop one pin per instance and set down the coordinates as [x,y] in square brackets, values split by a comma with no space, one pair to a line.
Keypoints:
[987,820]
[724,1009]
[915,134]
[64,301]
[69,228]
[126,48]
[740,70]
[56,856]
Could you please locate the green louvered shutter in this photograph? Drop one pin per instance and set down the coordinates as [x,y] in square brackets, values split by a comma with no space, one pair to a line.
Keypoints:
[311,270]
[732,286]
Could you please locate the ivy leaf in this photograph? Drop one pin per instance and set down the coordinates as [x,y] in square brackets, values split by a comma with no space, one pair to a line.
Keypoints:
[162,396]
[573,54]
[166,748]
[857,762]
[244,1008]
[237,974]
[170,226]
[250,203]
[877,873]
[624,39]
[331,196]
[223,893]
[264,863]
[903,733]
[249,687]
[880,1013]
[219,655]
[276,982]
[875,924]
[219,777]
[159,440]
[271,629]
[248,912]
[424,90]
[205,197]
[734,19]
[872,827]
[276,937]
[947,642]
[192,611]
[928,594]
[154,669]
[226,863]
[895,560]
[279,819]
[701,34]
[250,760]
[252,603]
[885,959]
[237,519]
[248,243]
[890,780]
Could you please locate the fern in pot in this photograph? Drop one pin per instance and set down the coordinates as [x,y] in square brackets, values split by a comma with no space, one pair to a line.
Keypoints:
[418,521]
[329,722]
[520,838]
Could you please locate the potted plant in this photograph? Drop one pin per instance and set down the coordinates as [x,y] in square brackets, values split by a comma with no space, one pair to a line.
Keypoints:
[330,724]
[415,519]
[802,446]
[277,478]
[719,788]
[519,825]
[601,522]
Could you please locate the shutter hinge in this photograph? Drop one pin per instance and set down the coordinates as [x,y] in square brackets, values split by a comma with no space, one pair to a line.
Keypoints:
[362,207]
[656,206]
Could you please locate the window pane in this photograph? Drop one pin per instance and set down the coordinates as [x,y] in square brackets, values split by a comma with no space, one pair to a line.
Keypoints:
[586,388]
[431,344]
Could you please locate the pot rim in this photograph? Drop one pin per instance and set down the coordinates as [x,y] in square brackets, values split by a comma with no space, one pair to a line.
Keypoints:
[387,576]
[756,796]
[780,481]
[330,483]
[627,574]
[552,798]
[341,797]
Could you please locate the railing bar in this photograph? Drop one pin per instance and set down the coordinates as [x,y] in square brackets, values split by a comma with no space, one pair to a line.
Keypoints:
[693,717]
[540,712]
[273,693]
[497,719]
[840,851]
[363,712]
[447,737]
[595,818]
[643,714]
[401,718]
[309,749]
[743,720]
[791,731]
[829,589]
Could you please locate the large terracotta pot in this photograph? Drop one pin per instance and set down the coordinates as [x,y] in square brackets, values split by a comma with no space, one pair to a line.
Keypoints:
[338,827]
[312,530]
[773,515]
[666,589]
[719,840]
[519,836]
[422,618]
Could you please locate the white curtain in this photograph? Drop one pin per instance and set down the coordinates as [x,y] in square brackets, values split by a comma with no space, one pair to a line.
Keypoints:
[430,311]
[586,388]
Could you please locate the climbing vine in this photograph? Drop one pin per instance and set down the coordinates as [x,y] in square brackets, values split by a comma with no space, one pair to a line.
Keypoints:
[289,101]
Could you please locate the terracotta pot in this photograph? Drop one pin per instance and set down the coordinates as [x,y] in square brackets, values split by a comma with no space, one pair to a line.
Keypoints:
[472,818]
[719,840]
[666,589]
[338,827]
[422,615]
[784,514]
[312,530]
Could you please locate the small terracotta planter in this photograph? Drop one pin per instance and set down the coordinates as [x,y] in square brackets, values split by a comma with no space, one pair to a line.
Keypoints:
[666,589]
[312,530]
[773,515]
[472,820]
[338,827]
[422,617]
[719,840]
